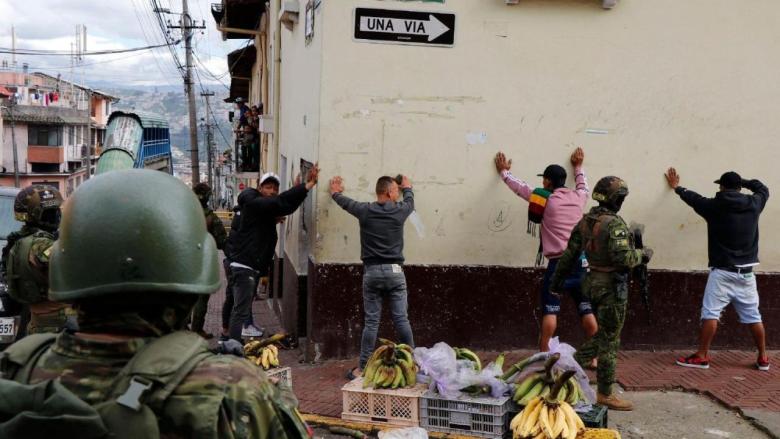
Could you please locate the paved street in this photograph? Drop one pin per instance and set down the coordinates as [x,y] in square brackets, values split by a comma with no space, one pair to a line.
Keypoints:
[730,387]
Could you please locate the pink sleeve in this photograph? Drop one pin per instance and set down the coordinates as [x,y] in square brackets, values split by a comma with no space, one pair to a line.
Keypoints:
[517,186]
[581,184]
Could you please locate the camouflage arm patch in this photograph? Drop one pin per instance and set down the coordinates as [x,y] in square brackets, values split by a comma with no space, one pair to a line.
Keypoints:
[40,253]
[621,249]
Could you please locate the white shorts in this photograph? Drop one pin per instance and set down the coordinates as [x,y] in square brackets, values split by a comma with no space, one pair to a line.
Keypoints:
[723,288]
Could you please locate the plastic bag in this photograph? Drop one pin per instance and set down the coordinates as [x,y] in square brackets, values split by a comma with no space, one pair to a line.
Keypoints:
[404,433]
[440,365]
[449,375]
[567,362]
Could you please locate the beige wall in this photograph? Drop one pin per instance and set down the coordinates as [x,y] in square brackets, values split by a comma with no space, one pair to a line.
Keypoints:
[299,123]
[691,84]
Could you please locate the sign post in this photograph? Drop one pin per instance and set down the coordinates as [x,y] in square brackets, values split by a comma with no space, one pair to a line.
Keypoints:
[404,27]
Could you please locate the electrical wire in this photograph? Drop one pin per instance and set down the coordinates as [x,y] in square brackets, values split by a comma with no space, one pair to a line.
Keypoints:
[34,52]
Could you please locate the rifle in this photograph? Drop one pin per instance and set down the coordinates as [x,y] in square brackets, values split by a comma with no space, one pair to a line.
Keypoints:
[640,271]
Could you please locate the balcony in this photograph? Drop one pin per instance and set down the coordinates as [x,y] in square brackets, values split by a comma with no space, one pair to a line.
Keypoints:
[45,154]
[238,19]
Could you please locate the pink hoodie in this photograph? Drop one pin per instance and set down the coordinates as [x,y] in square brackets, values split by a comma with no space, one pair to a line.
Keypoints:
[562,212]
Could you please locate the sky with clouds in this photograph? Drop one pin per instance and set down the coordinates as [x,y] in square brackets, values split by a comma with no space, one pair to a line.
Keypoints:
[113,24]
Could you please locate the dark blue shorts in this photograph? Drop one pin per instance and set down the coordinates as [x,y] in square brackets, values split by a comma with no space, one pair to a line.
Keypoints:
[551,303]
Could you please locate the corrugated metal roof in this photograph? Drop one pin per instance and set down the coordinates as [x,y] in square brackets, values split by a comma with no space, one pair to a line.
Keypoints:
[148,120]
[47,115]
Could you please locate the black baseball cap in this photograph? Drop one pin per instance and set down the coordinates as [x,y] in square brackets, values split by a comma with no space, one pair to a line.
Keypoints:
[730,180]
[554,173]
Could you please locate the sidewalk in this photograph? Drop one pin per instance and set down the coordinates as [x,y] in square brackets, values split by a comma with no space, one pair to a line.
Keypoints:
[731,380]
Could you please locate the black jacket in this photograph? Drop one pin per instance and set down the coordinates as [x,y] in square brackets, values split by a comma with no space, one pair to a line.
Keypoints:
[255,241]
[732,222]
[245,196]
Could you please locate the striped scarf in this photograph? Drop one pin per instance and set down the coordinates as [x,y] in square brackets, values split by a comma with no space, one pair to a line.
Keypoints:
[536,204]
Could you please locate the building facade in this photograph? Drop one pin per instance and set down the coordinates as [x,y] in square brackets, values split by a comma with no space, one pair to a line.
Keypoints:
[638,87]
[54,125]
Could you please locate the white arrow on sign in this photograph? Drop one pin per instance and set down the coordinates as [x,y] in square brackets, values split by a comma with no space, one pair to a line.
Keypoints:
[432,27]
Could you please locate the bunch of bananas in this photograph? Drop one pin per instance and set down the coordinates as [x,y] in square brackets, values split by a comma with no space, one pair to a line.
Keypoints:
[268,358]
[468,354]
[548,417]
[541,384]
[391,366]
[264,352]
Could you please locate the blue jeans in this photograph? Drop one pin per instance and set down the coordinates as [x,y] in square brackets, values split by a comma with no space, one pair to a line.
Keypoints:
[379,282]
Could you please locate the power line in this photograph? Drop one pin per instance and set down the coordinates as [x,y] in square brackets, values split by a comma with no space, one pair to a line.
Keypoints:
[211,111]
[140,15]
[34,52]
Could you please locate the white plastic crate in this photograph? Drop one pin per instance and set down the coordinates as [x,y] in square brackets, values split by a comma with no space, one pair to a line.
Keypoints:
[474,416]
[283,373]
[399,407]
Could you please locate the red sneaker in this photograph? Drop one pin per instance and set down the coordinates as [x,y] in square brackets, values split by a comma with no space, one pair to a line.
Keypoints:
[694,361]
[762,363]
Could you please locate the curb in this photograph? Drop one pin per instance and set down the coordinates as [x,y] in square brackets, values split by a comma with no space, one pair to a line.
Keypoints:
[325,421]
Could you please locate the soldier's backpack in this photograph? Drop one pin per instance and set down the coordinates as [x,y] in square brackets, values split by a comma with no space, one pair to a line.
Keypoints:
[48,409]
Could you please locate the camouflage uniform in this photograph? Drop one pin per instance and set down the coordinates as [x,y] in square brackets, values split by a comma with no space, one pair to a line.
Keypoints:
[231,397]
[609,248]
[28,260]
[217,230]
[132,292]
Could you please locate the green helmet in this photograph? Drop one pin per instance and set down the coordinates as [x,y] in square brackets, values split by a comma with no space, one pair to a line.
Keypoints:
[610,190]
[38,205]
[132,231]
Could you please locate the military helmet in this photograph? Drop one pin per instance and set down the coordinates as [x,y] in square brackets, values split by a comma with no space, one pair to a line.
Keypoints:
[203,192]
[132,231]
[609,189]
[39,205]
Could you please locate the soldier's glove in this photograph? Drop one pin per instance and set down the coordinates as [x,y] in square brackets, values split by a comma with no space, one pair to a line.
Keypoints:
[647,254]
[230,347]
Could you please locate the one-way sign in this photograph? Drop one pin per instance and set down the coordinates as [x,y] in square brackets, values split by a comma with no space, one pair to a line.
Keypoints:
[406,27]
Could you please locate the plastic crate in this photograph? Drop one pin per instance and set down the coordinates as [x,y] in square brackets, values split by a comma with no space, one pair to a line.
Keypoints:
[283,373]
[596,417]
[399,407]
[473,416]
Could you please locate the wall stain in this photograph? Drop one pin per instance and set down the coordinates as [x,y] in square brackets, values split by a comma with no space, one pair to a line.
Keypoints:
[429,114]
[454,99]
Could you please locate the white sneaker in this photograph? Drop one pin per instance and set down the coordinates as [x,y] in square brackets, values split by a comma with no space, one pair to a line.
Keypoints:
[251,331]
[608,4]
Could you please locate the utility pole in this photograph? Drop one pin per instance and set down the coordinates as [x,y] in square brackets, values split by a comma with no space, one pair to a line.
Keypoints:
[209,153]
[186,27]
[13,140]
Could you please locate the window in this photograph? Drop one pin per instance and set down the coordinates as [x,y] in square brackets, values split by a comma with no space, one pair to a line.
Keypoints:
[107,106]
[45,168]
[71,135]
[44,135]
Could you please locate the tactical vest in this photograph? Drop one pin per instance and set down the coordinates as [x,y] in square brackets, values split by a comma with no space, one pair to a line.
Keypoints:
[25,284]
[140,393]
[594,229]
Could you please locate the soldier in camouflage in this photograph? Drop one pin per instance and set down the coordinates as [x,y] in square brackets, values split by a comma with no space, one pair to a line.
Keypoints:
[609,247]
[133,257]
[29,250]
[217,231]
